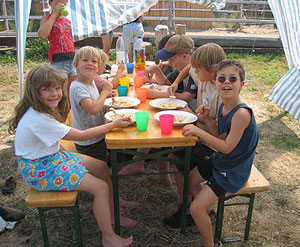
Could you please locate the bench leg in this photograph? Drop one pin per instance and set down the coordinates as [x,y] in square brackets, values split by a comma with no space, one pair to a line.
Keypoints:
[76,216]
[249,216]
[219,221]
[43,227]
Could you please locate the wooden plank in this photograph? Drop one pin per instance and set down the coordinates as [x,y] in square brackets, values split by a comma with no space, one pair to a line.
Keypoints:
[256,183]
[50,198]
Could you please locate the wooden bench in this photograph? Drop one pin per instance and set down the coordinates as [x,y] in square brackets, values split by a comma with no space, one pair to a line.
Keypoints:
[47,200]
[256,183]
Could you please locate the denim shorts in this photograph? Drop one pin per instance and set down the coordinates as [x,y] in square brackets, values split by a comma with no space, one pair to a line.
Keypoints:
[66,68]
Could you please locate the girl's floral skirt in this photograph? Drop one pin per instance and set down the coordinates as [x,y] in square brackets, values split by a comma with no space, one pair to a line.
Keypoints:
[60,171]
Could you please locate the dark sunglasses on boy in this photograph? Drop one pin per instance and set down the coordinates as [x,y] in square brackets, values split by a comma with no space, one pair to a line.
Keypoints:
[222,79]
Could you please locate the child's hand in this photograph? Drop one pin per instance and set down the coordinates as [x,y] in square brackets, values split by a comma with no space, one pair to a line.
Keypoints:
[190,130]
[57,8]
[202,112]
[122,122]
[121,67]
[107,87]
[163,65]
[172,89]
[150,71]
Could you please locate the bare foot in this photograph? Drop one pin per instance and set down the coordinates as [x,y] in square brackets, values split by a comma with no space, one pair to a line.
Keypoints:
[117,241]
[128,204]
[124,221]
[131,169]
[161,179]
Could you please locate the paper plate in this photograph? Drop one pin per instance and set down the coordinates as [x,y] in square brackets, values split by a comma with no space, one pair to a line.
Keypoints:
[111,116]
[122,102]
[181,117]
[167,103]
[158,88]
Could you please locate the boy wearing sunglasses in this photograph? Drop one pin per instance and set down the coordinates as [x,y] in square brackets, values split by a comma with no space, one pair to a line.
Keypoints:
[203,61]
[234,136]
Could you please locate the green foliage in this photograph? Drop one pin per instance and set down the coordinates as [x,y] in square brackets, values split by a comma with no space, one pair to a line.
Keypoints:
[36,49]
[112,56]
[33,25]
[9,57]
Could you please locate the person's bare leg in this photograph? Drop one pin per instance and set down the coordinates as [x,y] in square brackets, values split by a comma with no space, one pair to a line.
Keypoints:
[100,190]
[198,209]
[137,167]
[99,169]
[106,41]
[163,166]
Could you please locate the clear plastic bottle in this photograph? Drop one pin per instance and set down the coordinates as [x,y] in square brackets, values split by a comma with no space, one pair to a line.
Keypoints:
[139,52]
[120,50]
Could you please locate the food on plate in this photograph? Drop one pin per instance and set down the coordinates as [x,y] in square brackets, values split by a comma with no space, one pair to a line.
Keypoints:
[117,116]
[121,103]
[167,105]
[182,119]
[158,88]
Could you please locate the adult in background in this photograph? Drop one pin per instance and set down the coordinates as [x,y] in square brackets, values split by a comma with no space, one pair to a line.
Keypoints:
[131,31]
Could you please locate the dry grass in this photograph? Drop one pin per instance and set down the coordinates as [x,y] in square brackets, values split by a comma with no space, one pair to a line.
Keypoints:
[276,215]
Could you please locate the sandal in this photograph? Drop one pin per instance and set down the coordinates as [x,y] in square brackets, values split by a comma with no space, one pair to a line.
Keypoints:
[10,214]
[9,186]
[213,216]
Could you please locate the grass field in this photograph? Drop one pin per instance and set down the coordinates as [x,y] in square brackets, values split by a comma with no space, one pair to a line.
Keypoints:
[276,215]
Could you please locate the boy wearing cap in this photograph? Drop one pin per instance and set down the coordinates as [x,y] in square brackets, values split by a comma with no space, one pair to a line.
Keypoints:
[177,51]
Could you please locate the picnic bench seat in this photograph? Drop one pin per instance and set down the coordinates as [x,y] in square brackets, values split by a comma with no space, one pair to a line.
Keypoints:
[256,183]
[47,200]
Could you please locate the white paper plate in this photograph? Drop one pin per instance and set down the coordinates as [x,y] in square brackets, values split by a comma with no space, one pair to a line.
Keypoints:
[163,87]
[157,103]
[110,114]
[187,117]
[133,102]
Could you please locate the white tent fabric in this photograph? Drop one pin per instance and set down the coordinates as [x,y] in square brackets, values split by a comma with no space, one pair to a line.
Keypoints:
[286,92]
[94,17]
[22,9]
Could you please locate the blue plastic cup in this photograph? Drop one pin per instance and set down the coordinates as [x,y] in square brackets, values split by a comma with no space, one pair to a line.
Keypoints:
[130,67]
[122,90]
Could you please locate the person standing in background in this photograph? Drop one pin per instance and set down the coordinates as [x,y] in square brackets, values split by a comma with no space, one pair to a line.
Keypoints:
[131,31]
[58,30]
[107,39]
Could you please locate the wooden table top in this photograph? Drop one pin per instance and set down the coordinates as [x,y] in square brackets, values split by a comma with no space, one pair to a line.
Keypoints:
[130,137]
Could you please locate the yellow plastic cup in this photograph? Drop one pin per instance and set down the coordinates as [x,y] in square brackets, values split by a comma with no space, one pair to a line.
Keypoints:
[125,81]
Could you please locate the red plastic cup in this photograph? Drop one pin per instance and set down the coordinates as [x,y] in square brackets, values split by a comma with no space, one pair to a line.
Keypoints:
[138,81]
[166,123]
[141,94]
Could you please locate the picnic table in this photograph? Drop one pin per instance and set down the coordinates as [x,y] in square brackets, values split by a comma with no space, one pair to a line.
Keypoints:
[129,139]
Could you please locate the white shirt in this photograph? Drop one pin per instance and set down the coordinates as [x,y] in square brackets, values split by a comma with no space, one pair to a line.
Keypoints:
[38,135]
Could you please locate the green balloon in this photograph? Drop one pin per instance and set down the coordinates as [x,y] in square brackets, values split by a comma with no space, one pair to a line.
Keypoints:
[64,12]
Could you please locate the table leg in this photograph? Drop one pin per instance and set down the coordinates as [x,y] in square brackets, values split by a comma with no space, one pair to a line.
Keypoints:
[115,181]
[186,162]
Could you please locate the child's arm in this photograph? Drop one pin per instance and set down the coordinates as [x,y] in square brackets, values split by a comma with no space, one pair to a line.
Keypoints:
[183,74]
[186,96]
[84,135]
[116,80]
[239,123]
[47,24]
[159,75]
[94,107]
[152,94]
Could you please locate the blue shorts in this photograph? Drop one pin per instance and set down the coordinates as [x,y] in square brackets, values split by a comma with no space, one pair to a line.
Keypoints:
[66,68]
[59,171]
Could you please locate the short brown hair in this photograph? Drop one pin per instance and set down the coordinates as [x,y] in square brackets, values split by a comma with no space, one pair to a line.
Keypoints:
[230,63]
[207,56]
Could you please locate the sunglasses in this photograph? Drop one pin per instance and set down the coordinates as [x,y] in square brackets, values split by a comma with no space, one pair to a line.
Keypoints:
[222,79]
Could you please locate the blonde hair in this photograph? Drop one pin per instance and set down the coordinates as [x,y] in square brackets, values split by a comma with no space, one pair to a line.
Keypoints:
[207,56]
[87,51]
[38,77]
[103,57]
